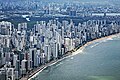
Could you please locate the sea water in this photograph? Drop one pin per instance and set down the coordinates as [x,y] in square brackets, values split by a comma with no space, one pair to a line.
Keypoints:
[99,61]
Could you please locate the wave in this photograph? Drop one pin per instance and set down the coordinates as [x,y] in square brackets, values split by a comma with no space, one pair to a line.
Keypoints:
[37,73]
[105,40]
[71,58]
[59,64]
[95,45]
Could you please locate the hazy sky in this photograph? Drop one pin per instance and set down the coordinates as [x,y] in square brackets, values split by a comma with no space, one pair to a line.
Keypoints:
[57,0]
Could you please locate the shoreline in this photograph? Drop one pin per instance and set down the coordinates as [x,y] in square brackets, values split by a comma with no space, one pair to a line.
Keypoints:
[78,51]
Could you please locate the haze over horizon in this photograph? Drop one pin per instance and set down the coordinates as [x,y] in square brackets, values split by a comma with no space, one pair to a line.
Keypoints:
[113,2]
[67,0]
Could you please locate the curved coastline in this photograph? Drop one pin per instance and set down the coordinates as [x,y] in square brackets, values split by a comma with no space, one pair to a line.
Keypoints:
[40,69]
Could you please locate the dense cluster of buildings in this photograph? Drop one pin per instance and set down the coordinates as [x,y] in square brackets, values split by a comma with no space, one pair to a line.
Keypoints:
[23,50]
[52,8]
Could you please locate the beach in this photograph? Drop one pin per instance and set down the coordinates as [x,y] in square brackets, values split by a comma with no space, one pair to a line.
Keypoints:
[80,50]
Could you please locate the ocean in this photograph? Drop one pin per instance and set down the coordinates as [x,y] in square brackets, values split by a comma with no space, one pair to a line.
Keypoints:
[98,61]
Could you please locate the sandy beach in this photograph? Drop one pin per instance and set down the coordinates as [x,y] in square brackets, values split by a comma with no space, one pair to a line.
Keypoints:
[80,50]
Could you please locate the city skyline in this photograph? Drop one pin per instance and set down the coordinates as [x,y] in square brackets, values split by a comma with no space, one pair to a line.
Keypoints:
[35,34]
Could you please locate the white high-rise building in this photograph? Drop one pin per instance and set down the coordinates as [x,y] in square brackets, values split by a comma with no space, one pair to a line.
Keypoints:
[24,66]
[10,74]
[15,58]
[55,50]
[48,52]
[38,57]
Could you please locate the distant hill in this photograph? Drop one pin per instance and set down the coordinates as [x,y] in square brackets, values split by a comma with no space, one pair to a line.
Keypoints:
[98,1]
